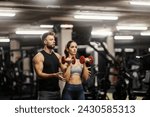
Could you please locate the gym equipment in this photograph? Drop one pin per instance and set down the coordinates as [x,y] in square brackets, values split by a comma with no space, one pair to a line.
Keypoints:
[89,60]
[144,60]
[102,83]
[16,82]
[120,90]
[94,89]
[63,60]
[124,82]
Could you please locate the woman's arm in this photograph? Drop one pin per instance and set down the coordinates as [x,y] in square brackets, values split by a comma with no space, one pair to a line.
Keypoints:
[67,72]
[62,66]
[86,72]
[65,68]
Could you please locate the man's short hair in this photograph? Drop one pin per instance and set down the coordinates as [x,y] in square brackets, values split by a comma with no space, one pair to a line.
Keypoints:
[43,37]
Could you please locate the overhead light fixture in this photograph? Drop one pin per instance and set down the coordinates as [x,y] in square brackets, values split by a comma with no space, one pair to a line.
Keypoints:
[138,57]
[131,27]
[101,33]
[4,14]
[96,17]
[31,32]
[46,26]
[147,33]
[123,37]
[129,50]
[141,3]
[4,39]
[66,26]
[118,49]
[53,6]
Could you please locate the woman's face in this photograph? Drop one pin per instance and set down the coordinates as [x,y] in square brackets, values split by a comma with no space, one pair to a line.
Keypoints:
[72,50]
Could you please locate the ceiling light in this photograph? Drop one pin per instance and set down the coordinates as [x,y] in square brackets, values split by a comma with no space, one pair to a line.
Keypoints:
[53,6]
[129,50]
[123,37]
[137,57]
[46,26]
[131,27]
[147,33]
[7,14]
[32,32]
[4,39]
[101,33]
[145,3]
[118,49]
[66,26]
[94,17]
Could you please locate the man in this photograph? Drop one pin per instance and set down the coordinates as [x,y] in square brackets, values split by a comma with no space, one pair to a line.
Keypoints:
[46,64]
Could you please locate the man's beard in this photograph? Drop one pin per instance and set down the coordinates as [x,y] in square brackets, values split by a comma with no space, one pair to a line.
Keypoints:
[50,46]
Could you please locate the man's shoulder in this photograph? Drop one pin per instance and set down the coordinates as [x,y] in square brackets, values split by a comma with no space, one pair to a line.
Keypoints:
[38,55]
[57,54]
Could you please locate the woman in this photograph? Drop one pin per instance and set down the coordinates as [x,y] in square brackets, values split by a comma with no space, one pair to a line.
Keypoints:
[74,73]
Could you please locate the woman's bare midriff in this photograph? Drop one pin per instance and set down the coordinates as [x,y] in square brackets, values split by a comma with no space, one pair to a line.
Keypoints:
[75,79]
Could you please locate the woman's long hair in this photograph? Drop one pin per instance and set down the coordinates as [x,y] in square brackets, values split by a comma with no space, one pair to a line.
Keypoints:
[67,47]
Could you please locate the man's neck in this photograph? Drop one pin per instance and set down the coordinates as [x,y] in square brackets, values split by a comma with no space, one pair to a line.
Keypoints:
[47,50]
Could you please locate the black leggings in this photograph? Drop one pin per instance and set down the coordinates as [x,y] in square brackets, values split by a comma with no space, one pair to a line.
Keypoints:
[73,92]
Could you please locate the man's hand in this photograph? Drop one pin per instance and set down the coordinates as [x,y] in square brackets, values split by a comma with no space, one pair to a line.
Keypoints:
[60,76]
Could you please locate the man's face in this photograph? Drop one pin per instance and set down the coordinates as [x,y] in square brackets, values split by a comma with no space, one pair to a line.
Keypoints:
[50,42]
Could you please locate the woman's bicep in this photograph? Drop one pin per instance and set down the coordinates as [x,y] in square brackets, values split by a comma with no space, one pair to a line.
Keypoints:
[85,73]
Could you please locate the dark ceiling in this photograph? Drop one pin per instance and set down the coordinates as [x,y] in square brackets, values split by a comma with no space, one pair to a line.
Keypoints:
[30,14]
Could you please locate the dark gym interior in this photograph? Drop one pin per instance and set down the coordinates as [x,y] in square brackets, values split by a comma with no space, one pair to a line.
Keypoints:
[119,42]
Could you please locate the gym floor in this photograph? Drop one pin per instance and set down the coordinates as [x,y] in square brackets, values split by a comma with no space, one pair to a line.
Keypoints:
[110,96]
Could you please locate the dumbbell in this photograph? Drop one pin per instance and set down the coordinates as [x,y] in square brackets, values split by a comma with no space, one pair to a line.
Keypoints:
[89,60]
[63,60]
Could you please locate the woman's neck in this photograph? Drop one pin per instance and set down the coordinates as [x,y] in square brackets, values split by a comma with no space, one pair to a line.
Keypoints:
[70,56]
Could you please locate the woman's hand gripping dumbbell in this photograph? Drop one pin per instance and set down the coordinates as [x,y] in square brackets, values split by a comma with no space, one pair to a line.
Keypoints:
[89,60]
[68,60]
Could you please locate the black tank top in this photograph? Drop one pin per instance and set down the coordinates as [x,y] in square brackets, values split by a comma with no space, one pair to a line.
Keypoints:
[50,65]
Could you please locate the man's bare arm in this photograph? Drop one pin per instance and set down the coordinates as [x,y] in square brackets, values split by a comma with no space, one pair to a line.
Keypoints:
[38,66]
